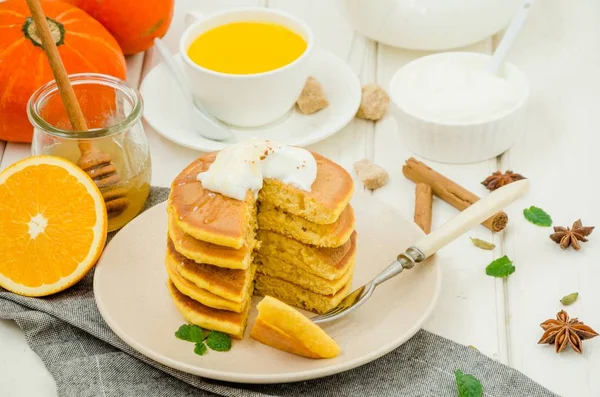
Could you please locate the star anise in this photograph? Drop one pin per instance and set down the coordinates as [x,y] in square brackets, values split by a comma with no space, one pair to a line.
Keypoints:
[562,332]
[565,236]
[498,179]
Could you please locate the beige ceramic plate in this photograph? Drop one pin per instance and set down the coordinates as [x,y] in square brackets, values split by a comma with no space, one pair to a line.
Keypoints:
[131,293]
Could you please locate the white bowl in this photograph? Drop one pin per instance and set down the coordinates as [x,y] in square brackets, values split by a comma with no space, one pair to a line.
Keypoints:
[459,142]
[429,25]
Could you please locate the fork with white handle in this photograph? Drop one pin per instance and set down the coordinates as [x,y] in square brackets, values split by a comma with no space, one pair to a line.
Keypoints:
[430,244]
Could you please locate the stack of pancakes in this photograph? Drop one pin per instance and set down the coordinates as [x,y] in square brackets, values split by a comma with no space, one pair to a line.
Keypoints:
[291,244]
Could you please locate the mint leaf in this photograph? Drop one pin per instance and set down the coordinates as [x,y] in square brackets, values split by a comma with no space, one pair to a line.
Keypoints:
[537,216]
[501,267]
[484,245]
[200,348]
[569,299]
[218,341]
[468,385]
[190,333]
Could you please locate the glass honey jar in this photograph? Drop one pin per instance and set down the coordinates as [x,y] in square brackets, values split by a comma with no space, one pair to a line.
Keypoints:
[114,151]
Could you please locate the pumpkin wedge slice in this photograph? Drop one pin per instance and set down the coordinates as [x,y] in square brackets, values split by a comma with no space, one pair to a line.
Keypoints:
[285,328]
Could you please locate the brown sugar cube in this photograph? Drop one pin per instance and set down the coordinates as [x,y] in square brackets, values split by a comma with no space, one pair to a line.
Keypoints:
[371,175]
[312,98]
[374,102]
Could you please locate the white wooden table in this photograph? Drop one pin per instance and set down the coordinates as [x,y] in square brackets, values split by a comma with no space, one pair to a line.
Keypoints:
[559,50]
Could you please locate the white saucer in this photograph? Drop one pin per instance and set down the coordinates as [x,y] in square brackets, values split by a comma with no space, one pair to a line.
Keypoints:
[165,112]
[130,287]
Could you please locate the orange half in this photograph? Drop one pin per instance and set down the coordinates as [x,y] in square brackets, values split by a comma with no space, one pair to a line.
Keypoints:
[52,225]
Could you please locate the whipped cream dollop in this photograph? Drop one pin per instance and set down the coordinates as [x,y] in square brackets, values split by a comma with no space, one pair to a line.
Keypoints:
[456,88]
[244,166]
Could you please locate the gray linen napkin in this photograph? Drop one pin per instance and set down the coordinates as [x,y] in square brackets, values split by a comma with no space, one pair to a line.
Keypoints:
[87,359]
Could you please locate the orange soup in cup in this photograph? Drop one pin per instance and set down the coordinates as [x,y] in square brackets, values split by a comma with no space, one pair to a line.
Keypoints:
[246,47]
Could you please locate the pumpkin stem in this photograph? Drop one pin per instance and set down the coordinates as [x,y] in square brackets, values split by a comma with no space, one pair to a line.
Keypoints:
[57,30]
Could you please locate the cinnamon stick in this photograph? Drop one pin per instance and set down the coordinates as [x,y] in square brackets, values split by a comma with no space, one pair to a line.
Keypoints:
[449,191]
[423,206]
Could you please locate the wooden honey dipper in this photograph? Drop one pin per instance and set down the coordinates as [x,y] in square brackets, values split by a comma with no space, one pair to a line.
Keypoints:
[98,165]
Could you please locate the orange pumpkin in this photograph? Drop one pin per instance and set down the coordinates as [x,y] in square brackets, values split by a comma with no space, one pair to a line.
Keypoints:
[84,46]
[134,23]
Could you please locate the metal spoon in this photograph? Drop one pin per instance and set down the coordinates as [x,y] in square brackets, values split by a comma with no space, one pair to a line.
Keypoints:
[204,123]
[428,245]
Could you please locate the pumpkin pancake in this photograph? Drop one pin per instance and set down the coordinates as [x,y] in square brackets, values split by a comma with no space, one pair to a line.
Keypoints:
[275,267]
[203,316]
[285,328]
[231,284]
[329,235]
[214,218]
[199,294]
[326,263]
[210,216]
[211,254]
[295,245]
[297,296]
[330,193]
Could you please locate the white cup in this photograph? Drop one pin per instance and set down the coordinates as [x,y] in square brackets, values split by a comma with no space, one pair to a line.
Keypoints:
[246,100]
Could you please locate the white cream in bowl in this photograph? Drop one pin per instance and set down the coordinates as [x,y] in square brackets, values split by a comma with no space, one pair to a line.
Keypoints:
[450,109]
[456,88]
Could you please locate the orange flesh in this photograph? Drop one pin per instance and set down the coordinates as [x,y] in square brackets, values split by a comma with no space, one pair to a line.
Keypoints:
[58,249]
